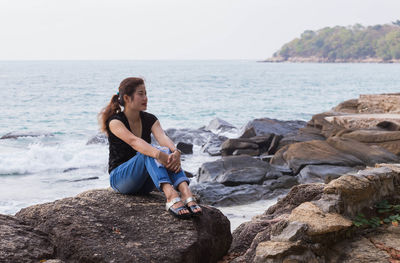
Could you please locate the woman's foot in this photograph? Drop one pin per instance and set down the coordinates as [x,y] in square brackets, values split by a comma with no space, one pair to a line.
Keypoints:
[174,203]
[188,199]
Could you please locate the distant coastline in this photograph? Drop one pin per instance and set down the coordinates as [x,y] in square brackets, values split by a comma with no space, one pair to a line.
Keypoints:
[351,44]
[326,60]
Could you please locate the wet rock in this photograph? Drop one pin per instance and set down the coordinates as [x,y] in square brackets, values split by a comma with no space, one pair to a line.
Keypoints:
[16,135]
[248,167]
[217,194]
[323,173]
[103,226]
[230,145]
[99,138]
[193,136]
[85,179]
[213,145]
[267,126]
[219,125]
[20,242]
[284,181]
[185,148]
[251,152]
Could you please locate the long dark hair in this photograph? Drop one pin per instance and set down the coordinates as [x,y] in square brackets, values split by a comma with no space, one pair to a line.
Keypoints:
[127,87]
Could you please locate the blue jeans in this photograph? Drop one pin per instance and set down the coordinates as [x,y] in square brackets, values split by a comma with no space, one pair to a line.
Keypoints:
[141,173]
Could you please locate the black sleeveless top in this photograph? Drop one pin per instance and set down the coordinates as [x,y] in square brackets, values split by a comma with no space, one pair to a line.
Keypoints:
[120,151]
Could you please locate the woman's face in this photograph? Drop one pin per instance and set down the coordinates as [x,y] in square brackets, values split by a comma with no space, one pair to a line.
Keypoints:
[139,99]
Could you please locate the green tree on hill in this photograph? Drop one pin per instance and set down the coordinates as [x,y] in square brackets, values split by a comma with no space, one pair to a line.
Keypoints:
[346,43]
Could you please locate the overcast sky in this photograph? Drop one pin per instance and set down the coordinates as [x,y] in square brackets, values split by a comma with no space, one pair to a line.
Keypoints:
[172,29]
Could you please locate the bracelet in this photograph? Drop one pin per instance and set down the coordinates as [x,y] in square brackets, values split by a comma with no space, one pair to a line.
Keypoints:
[177,150]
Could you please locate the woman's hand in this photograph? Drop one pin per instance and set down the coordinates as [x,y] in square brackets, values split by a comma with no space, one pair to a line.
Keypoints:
[163,158]
[174,162]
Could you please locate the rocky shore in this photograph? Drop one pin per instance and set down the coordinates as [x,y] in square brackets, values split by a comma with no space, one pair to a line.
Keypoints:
[313,59]
[327,171]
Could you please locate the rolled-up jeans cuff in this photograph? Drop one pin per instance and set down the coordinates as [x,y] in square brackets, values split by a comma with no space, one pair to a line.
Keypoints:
[180,180]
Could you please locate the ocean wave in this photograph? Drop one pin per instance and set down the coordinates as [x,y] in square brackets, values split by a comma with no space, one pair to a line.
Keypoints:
[38,157]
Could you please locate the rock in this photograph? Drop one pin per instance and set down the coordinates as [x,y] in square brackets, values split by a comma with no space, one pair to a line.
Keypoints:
[251,152]
[364,188]
[292,232]
[230,145]
[357,250]
[185,148]
[219,125]
[193,136]
[249,234]
[22,243]
[379,103]
[367,154]
[267,126]
[327,128]
[275,251]
[85,179]
[247,175]
[297,195]
[302,135]
[315,152]
[248,133]
[16,135]
[209,171]
[348,106]
[362,121]
[389,126]
[213,145]
[318,222]
[389,140]
[284,181]
[104,226]
[217,194]
[322,173]
[274,146]
[99,138]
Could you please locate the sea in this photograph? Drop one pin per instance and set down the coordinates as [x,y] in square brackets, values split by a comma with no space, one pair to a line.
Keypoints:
[57,102]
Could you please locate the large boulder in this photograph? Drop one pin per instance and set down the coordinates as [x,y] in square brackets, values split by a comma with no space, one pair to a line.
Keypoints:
[369,155]
[251,146]
[323,173]
[302,135]
[265,126]
[193,136]
[389,140]
[314,152]
[240,169]
[20,242]
[104,226]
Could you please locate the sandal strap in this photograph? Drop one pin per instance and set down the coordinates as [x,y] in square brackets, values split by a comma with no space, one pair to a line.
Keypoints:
[173,201]
[189,199]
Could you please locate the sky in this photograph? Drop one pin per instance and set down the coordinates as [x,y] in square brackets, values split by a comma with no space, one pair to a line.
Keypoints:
[171,29]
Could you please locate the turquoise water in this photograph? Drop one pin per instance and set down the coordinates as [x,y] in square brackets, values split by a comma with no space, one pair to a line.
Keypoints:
[64,97]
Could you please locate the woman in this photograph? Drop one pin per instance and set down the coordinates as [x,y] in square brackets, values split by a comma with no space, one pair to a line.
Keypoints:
[135,166]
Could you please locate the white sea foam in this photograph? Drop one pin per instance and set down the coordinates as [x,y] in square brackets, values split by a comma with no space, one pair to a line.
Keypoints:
[39,157]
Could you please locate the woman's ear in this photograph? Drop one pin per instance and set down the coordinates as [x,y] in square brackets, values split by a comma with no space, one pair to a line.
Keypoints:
[126,98]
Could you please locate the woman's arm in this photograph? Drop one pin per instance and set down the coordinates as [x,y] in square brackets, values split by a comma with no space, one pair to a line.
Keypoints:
[161,137]
[174,159]
[140,145]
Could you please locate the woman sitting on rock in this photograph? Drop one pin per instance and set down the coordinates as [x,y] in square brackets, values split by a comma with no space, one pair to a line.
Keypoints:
[135,166]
